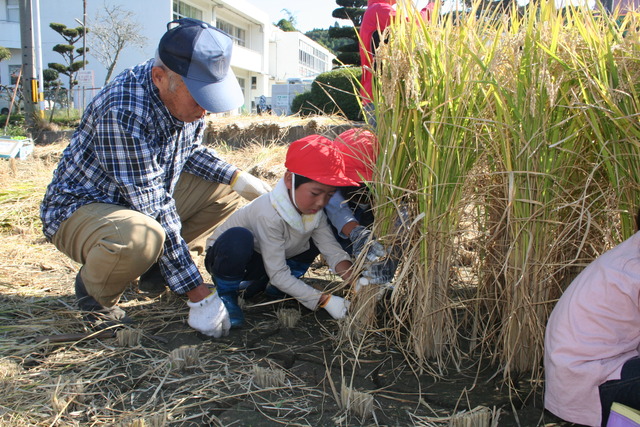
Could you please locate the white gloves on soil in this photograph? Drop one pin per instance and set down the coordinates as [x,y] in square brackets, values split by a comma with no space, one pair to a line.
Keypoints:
[362,240]
[209,316]
[248,186]
[337,307]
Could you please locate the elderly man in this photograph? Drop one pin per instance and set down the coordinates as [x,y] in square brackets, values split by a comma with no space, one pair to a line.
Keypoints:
[135,187]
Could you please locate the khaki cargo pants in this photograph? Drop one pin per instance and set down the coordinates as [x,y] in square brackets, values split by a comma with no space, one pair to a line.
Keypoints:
[116,245]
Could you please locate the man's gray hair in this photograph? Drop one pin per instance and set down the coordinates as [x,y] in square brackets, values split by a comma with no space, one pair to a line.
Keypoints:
[174,78]
[157,61]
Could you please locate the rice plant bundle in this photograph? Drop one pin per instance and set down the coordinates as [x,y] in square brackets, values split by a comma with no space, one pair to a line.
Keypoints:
[480,416]
[550,172]
[183,357]
[128,337]
[268,377]
[427,102]
[534,124]
[356,402]
[155,420]
[532,114]
[288,317]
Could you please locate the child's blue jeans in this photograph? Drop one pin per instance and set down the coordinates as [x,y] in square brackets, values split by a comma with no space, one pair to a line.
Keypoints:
[626,390]
[232,257]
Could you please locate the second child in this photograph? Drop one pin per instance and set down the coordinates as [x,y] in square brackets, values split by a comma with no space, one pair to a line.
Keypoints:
[276,237]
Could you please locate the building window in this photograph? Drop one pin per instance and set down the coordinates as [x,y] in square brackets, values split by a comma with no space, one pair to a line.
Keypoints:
[184,10]
[311,60]
[13,11]
[238,35]
[254,82]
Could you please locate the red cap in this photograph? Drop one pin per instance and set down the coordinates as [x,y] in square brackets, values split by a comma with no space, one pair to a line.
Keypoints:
[359,148]
[316,158]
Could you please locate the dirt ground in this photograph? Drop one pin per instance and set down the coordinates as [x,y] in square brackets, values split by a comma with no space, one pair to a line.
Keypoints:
[161,372]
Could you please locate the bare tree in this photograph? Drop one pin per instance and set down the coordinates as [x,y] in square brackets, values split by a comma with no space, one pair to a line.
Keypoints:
[111,32]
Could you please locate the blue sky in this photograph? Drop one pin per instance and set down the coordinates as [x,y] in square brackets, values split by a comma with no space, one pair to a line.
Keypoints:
[309,14]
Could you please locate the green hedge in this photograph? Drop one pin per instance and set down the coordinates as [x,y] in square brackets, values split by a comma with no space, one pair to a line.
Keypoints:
[333,92]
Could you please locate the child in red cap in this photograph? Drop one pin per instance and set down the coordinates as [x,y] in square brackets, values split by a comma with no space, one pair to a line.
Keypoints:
[349,210]
[277,236]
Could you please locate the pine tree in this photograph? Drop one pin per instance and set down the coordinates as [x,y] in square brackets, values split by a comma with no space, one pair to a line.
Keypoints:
[351,10]
[69,51]
[321,36]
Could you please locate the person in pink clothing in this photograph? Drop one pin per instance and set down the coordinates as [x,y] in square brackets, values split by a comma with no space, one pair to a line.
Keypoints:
[592,339]
[376,19]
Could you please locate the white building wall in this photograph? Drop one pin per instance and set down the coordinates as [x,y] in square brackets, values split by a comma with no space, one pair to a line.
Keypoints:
[287,56]
[9,38]
[250,62]
[255,64]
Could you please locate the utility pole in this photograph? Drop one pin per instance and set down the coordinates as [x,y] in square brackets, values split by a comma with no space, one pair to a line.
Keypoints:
[84,34]
[38,48]
[29,80]
[84,46]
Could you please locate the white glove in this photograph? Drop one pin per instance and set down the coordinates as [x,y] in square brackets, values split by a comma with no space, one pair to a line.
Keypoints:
[209,316]
[248,186]
[362,282]
[337,307]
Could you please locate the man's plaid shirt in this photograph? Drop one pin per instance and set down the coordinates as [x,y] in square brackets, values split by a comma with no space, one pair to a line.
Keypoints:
[129,151]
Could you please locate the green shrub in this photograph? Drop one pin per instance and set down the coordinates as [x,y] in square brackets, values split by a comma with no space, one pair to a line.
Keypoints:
[15,127]
[303,105]
[333,92]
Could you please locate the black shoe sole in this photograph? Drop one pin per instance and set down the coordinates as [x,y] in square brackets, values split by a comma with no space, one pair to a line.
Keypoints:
[95,314]
[152,281]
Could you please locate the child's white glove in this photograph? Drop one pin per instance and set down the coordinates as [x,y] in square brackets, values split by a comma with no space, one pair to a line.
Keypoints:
[209,316]
[248,186]
[337,306]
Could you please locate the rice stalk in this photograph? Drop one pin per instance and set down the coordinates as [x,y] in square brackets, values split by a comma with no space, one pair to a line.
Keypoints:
[356,402]
[542,156]
[128,337]
[288,317]
[268,377]
[184,357]
[609,70]
[427,103]
[480,416]
[519,98]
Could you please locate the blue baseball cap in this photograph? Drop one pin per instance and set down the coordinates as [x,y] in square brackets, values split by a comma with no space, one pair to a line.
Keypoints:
[201,55]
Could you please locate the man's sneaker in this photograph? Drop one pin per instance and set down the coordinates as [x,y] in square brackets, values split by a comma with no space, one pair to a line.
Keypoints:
[95,314]
[152,281]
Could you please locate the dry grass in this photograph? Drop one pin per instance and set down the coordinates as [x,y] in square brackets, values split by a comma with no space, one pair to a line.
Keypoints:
[242,131]
[131,380]
[163,373]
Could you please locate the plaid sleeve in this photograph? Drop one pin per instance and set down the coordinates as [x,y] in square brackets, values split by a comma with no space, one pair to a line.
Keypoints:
[205,163]
[127,155]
